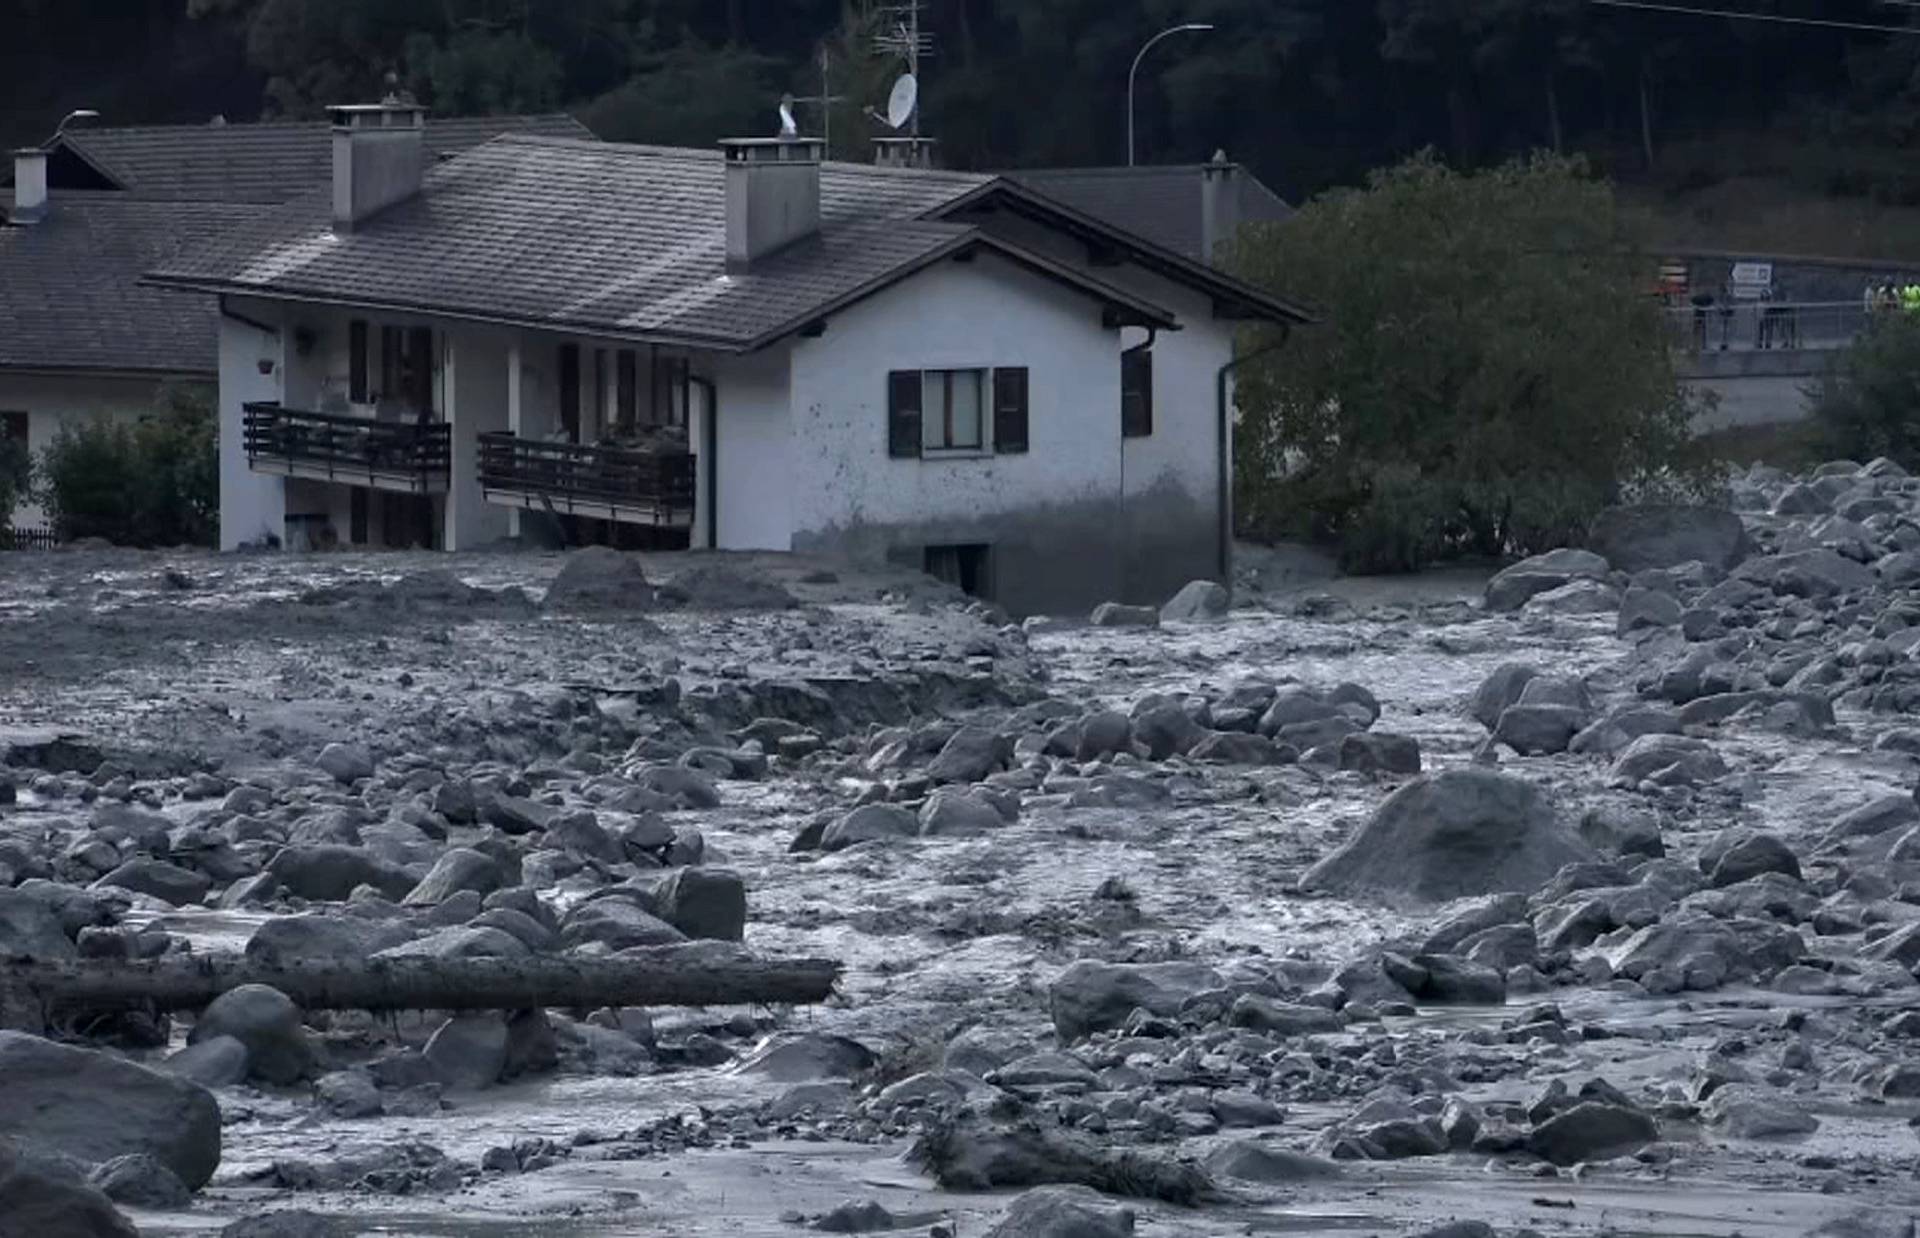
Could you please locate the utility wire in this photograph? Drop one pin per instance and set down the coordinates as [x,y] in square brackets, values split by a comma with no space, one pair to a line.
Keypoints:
[1778,18]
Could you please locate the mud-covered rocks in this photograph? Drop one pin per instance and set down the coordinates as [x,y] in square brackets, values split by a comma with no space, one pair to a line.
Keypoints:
[703,903]
[1266,1164]
[969,755]
[600,578]
[1668,760]
[345,763]
[331,872]
[725,586]
[167,882]
[1091,996]
[1063,1212]
[1450,835]
[1648,609]
[42,1199]
[806,1057]
[1745,1111]
[267,1023]
[140,1180]
[469,1050]
[869,823]
[1592,1130]
[30,929]
[1121,615]
[1638,537]
[1512,587]
[1500,690]
[93,1107]
[1198,601]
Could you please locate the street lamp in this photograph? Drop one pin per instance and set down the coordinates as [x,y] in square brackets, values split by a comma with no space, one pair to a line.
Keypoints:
[83,113]
[1194,27]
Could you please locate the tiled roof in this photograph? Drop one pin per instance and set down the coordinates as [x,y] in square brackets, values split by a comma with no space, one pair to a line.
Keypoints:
[1161,203]
[273,162]
[70,296]
[603,239]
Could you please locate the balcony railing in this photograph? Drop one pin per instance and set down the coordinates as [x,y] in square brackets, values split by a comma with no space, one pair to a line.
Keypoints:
[1763,326]
[608,483]
[384,455]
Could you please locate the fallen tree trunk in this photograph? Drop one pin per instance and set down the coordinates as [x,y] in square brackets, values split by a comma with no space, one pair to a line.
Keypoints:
[670,976]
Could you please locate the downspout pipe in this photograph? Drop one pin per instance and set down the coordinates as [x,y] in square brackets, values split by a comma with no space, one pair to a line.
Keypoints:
[710,456]
[1224,443]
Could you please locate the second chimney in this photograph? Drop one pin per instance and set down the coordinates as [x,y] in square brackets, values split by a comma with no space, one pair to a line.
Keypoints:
[773,195]
[379,158]
[29,185]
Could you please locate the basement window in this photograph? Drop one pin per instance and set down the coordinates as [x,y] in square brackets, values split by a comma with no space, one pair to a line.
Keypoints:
[969,566]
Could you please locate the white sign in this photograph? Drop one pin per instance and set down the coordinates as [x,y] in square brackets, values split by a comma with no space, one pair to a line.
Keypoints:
[1752,280]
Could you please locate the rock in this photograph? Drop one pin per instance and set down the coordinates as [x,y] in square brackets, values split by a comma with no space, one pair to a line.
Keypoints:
[167,882]
[141,1181]
[806,1057]
[1647,608]
[726,586]
[600,578]
[1591,1131]
[1752,856]
[216,1062]
[1534,729]
[868,823]
[1197,602]
[29,929]
[533,1047]
[349,1095]
[1669,760]
[459,942]
[1644,536]
[316,936]
[267,1022]
[93,1106]
[1498,691]
[1467,917]
[618,924]
[1063,1212]
[1747,1112]
[1510,589]
[1091,996]
[1867,1225]
[1576,597]
[950,813]
[1237,1107]
[1238,748]
[329,872]
[345,763]
[461,868]
[469,1050]
[1271,1166]
[690,787]
[581,834]
[970,755]
[1877,816]
[1801,499]
[1808,573]
[1120,615]
[1264,1014]
[854,1217]
[1167,731]
[706,903]
[1450,835]
[1377,752]
[1612,734]
[1455,981]
[1742,948]
[38,1200]
[1103,734]
[286,1223]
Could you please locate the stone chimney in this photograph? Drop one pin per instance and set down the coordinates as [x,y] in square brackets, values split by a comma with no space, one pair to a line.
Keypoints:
[379,158]
[909,152]
[29,185]
[773,195]
[1219,205]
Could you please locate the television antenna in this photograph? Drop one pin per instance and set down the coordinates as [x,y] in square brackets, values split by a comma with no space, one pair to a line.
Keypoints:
[900,35]
[826,98]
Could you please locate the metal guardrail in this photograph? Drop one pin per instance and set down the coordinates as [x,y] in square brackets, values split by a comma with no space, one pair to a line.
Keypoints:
[617,483]
[388,454]
[1759,326]
[18,538]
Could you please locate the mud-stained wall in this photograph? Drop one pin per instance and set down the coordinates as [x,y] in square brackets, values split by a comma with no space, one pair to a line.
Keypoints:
[252,505]
[54,402]
[759,484]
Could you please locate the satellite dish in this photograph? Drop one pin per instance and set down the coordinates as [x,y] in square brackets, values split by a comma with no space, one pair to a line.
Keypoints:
[900,104]
[789,128]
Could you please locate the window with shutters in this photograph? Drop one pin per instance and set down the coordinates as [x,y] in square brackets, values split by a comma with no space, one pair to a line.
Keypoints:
[936,412]
[1136,392]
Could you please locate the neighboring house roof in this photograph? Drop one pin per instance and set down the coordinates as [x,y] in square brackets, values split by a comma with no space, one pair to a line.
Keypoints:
[70,291]
[1163,203]
[614,240]
[271,162]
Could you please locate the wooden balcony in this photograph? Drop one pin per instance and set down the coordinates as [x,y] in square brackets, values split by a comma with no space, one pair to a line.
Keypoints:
[606,483]
[358,451]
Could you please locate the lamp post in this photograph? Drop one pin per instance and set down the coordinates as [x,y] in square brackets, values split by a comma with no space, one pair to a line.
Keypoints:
[84,113]
[1193,27]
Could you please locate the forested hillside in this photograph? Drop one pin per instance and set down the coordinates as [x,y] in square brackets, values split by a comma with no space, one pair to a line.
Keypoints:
[1309,92]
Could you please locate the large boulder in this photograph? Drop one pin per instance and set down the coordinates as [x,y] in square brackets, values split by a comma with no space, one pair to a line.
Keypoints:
[314,936]
[1092,996]
[708,903]
[1510,588]
[1500,690]
[30,929]
[726,586]
[169,883]
[267,1022]
[1590,1131]
[39,1200]
[600,578]
[1649,535]
[461,868]
[1063,1212]
[1451,835]
[868,823]
[329,872]
[969,755]
[93,1106]
[1197,602]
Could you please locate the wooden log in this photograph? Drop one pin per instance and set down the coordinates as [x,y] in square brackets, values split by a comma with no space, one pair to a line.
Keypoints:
[669,976]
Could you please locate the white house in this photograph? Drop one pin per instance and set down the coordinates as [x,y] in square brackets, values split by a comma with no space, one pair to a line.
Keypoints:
[746,348]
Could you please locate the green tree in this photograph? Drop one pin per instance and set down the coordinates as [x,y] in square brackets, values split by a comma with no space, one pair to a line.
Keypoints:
[1869,403]
[1489,371]
[152,482]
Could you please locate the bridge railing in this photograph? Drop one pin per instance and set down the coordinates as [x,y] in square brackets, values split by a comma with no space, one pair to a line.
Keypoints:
[1758,326]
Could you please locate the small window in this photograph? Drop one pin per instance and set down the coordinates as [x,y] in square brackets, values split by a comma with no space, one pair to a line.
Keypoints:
[1136,392]
[570,390]
[903,413]
[357,361]
[13,428]
[967,566]
[952,408]
[1010,410]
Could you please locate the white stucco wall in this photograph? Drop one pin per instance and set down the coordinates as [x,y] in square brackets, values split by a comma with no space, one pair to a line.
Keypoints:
[54,401]
[760,477]
[252,505]
[475,380]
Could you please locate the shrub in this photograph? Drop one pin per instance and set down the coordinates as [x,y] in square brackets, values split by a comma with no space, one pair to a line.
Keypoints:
[1490,370]
[1869,403]
[151,482]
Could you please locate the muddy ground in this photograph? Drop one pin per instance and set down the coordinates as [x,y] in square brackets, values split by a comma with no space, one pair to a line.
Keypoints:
[242,668]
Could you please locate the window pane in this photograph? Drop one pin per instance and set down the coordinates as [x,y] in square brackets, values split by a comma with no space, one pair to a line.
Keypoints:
[933,409]
[967,406]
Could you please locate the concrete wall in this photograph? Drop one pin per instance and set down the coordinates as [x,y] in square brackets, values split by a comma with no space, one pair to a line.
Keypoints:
[53,402]
[252,505]
[476,387]
[762,477]
[1052,515]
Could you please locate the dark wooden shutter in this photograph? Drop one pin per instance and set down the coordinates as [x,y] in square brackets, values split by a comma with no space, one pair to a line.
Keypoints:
[420,370]
[357,361]
[903,413]
[626,387]
[1136,392]
[1010,410]
[570,390]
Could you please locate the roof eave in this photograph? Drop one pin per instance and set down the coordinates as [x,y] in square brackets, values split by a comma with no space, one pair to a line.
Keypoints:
[41,369]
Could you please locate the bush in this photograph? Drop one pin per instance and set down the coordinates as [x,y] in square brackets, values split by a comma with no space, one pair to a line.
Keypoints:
[1869,403]
[152,482]
[1490,371]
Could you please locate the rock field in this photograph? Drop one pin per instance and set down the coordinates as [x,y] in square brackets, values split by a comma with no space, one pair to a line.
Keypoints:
[1578,898]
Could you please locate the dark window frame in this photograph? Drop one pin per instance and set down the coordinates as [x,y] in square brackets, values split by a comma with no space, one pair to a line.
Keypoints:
[16,425]
[1136,392]
[1012,404]
[357,361]
[569,394]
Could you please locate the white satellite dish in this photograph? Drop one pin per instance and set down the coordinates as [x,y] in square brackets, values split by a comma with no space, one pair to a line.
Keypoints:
[905,97]
[789,128]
